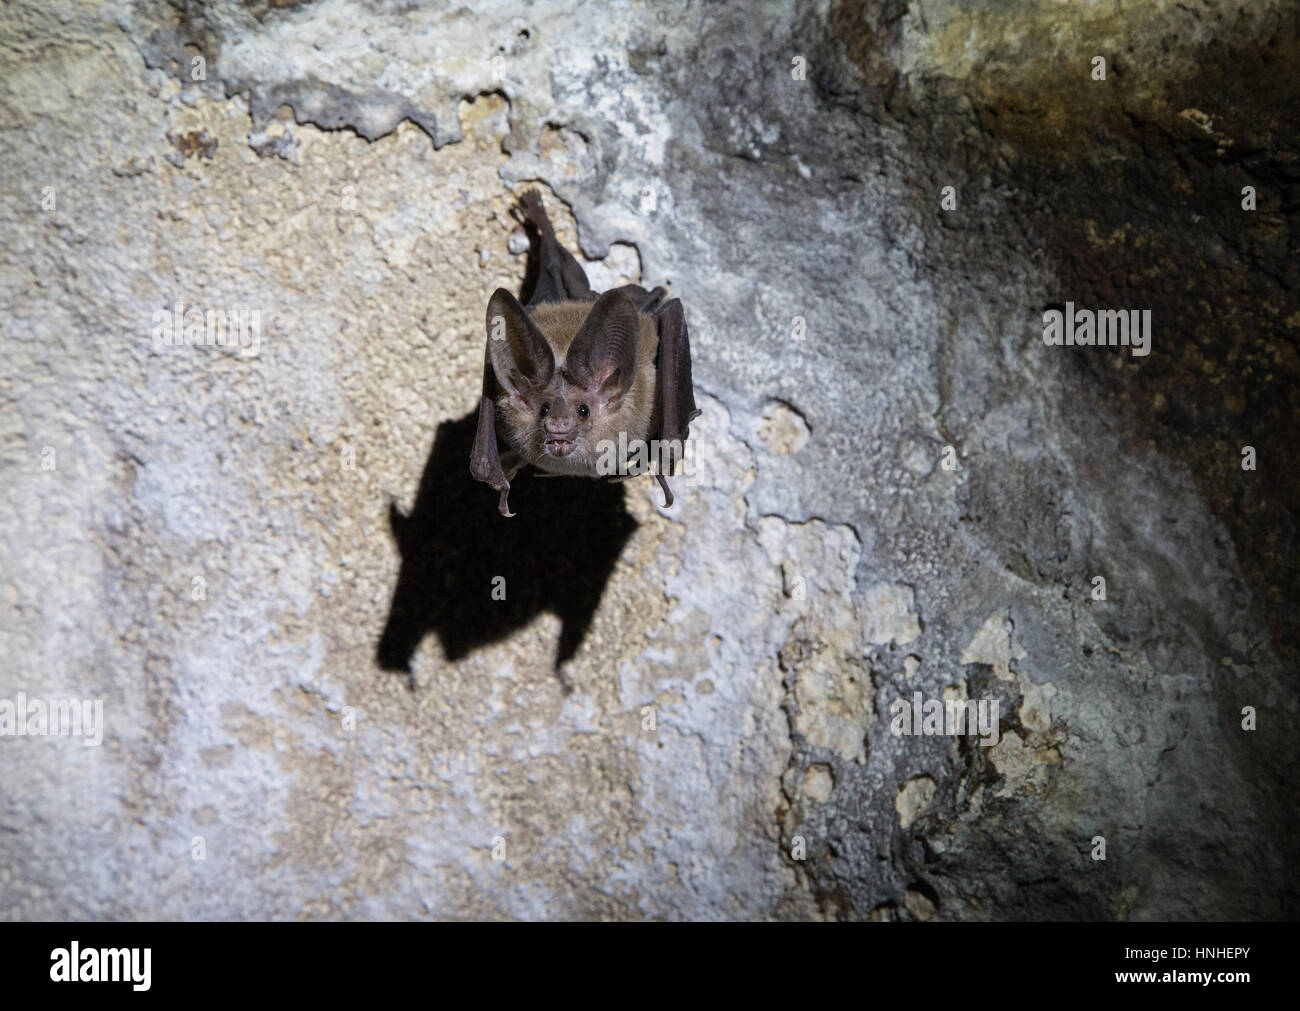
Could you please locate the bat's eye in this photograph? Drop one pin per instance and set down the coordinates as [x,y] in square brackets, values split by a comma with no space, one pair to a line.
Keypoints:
[546,409]
[583,410]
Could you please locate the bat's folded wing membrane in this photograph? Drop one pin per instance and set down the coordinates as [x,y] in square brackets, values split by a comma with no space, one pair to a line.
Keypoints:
[676,391]
[560,278]
[485,456]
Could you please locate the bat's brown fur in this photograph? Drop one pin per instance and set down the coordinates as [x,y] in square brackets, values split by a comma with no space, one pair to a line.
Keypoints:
[636,415]
[578,384]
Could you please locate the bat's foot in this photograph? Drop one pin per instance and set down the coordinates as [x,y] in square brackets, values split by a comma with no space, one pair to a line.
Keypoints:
[668,492]
[531,211]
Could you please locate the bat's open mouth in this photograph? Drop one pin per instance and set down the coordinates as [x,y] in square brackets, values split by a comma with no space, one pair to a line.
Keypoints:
[559,447]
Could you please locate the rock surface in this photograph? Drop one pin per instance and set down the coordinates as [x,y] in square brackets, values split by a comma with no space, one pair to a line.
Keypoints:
[898,488]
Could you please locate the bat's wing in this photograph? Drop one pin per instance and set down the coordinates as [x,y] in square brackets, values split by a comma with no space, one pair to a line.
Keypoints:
[518,362]
[560,278]
[676,391]
[485,456]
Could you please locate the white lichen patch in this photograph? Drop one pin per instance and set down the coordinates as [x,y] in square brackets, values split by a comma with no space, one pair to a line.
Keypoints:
[1022,761]
[833,709]
[621,265]
[889,615]
[1036,708]
[914,796]
[782,428]
[1023,766]
[831,689]
[818,783]
[995,644]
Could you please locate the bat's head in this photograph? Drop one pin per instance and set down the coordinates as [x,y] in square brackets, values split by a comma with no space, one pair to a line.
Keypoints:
[564,391]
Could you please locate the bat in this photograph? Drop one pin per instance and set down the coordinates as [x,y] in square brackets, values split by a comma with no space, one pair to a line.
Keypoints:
[580,385]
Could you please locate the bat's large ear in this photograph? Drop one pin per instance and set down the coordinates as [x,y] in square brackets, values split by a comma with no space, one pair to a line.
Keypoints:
[602,356]
[521,358]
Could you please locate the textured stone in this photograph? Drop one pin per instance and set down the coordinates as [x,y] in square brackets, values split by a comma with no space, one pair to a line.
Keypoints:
[895,486]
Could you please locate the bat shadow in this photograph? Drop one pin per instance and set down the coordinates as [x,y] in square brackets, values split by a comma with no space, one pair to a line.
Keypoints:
[473,577]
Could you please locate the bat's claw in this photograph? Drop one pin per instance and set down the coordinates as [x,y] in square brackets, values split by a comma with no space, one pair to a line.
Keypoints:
[668,492]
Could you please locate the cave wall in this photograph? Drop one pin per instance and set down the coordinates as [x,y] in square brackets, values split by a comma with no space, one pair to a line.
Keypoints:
[269,568]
